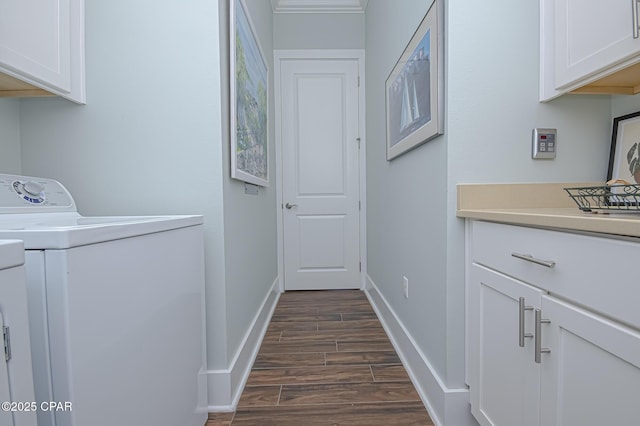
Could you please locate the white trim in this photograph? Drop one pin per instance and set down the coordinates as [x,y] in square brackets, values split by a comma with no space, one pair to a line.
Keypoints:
[357,54]
[278,167]
[447,406]
[362,111]
[319,6]
[467,280]
[223,387]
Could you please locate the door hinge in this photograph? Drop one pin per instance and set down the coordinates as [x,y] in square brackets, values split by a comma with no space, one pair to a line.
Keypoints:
[7,343]
[359,205]
[358,81]
[358,140]
[360,266]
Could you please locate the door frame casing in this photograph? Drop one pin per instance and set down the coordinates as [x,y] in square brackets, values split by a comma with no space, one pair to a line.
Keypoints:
[319,54]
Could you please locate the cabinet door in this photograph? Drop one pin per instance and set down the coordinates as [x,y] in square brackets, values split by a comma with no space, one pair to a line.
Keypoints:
[42,43]
[592,35]
[592,374]
[35,40]
[504,380]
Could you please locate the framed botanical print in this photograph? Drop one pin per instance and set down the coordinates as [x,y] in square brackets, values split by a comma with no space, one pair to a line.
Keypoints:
[624,157]
[249,100]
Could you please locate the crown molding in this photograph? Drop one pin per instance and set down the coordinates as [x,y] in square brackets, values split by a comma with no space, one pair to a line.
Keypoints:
[319,6]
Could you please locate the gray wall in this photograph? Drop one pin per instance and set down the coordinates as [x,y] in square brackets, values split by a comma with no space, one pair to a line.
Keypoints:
[318,31]
[249,221]
[406,210]
[149,139]
[502,94]
[153,139]
[623,105]
[156,124]
[10,136]
[490,109]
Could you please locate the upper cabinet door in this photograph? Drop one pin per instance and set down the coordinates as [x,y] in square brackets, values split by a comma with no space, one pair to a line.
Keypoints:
[42,43]
[592,35]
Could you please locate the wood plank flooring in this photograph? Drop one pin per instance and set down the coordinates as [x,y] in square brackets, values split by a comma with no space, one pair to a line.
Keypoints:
[326,360]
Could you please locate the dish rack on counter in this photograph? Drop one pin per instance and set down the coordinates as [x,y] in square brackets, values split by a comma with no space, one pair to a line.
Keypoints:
[607,197]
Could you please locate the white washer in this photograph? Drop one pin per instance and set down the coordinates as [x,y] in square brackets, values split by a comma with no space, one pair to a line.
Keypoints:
[115,309]
[16,378]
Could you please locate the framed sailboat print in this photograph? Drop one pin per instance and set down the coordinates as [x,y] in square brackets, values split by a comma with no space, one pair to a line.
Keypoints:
[414,89]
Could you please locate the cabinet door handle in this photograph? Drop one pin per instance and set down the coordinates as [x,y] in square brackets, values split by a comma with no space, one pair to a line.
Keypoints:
[538,349]
[636,30]
[521,333]
[529,258]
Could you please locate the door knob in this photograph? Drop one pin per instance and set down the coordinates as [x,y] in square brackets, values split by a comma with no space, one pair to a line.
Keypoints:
[289,206]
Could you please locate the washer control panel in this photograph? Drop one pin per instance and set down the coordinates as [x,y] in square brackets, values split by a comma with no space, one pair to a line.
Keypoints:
[30,191]
[31,194]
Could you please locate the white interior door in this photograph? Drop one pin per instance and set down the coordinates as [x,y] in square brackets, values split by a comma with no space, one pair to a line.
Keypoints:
[320,173]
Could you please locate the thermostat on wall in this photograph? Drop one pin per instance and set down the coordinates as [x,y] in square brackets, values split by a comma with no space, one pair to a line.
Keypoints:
[544,144]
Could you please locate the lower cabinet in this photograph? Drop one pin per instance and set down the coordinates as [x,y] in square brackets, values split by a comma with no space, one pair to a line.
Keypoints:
[591,376]
[535,358]
[505,381]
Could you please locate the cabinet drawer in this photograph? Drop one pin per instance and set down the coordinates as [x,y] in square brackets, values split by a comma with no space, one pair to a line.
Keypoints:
[599,273]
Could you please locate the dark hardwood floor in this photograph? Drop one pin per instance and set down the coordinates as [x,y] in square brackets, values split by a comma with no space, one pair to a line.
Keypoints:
[326,360]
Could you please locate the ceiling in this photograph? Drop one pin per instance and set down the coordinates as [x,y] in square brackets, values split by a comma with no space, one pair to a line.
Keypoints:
[319,6]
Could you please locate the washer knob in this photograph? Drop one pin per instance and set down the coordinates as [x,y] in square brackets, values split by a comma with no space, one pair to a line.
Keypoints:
[33,188]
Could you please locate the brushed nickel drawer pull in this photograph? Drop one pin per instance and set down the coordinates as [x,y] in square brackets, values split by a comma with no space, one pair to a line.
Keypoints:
[538,349]
[529,258]
[636,29]
[522,334]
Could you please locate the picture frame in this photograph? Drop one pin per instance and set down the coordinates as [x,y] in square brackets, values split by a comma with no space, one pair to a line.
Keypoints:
[624,163]
[624,156]
[248,94]
[414,90]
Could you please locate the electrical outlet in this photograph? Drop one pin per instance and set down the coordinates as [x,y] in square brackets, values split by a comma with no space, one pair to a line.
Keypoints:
[405,287]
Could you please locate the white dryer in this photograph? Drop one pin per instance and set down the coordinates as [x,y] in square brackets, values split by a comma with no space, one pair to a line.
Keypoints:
[115,309]
[16,378]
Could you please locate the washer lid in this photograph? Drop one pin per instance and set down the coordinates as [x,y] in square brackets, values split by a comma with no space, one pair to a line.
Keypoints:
[42,213]
[66,230]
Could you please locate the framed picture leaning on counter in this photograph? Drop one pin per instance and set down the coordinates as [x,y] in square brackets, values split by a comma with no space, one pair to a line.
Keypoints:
[624,157]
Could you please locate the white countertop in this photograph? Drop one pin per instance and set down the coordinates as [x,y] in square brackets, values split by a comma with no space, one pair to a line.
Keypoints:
[544,205]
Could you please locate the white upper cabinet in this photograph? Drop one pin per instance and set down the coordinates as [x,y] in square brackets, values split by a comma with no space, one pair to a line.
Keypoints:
[592,35]
[585,43]
[42,43]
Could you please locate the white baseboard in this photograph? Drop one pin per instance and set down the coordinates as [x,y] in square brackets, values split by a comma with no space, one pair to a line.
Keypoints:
[223,387]
[447,407]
